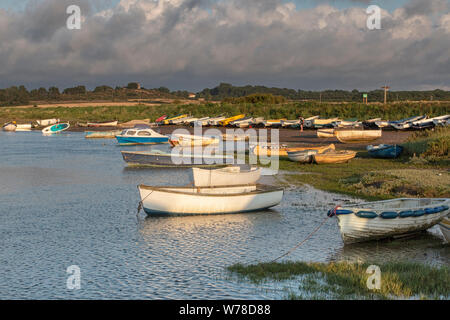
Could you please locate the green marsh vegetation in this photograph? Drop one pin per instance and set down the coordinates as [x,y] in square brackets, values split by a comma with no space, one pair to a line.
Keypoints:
[345,280]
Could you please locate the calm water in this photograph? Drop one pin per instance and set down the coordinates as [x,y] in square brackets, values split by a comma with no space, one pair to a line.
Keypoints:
[65,200]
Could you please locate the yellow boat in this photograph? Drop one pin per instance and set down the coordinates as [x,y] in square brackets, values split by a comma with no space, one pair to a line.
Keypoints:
[357,135]
[226,121]
[167,121]
[334,156]
[282,152]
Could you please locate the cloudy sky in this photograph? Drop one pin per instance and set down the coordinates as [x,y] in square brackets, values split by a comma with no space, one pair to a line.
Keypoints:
[193,44]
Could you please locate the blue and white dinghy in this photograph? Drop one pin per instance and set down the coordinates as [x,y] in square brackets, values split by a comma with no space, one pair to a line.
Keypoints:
[56,128]
[389,218]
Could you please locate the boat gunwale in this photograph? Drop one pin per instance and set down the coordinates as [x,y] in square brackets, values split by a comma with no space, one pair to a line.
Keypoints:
[265,189]
[361,206]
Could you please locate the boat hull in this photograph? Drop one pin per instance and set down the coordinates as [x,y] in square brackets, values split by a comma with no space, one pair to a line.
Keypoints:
[445,228]
[9,127]
[354,228]
[56,128]
[130,140]
[387,152]
[302,156]
[225,176]
[205,201]
[103,124]
[167,160]
[357,136]
[101,134]
[333,157]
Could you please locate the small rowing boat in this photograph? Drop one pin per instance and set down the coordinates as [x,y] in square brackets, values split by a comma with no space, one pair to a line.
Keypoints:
[233,175]
[47,122]
[389,218]
[234,137]
[208,200]
[161,159]
[56,128]
[357,135]
[10,126]
[140,135]
[341,156]
[385,151]
[227,121]
[325,133]
[103,124]
[24,127]
[305,156]
[282,151]
[101,134]
[185,140]
[445,228]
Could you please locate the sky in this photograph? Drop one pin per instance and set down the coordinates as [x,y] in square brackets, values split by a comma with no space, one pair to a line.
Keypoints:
[193,44]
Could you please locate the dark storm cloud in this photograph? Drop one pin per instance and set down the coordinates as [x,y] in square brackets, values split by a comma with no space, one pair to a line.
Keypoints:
[192,44]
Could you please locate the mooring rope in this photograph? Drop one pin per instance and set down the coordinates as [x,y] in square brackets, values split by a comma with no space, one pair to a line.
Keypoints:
[309,236]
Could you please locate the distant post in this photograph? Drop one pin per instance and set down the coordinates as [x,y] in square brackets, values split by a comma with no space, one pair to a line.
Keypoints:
[386,88]
[365,98]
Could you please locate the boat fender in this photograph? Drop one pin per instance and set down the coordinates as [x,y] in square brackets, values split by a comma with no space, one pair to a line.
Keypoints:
[419,213]
[343,211]
[431,210]
[389,215]
[406,214]
[366,214]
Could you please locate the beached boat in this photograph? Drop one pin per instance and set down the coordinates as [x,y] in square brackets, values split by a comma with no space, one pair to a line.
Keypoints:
[134,123]
[429,123]
[24,127]
[215,120]
[10,126]
[274,123]
[47,122]
[227,121]
[201,122]
[103,124]
[208,200]
[309,122]
[325,133]
[167,121]
[405,123]
[184,140]
[161,119]
[385,151]
[56,128]
[290,123]
[242,123]
[346,123]
[357,135]
[101,134]
[233,175]
[341,156]
[161,159]
[389,218]
[282,151]
[305,156]
[323,123]
[140,135]
[445,228]
[234,137]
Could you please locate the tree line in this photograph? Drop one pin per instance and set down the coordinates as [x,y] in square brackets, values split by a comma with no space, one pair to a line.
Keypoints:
[226,90]
[19,95]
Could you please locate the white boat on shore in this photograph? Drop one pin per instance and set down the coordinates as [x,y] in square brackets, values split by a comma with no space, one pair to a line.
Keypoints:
[357,135]
[185,140]
[47,122]
[445,228]
[10,126]
[389,218]
[103,124]
[24,127]
[208,200]
[234,175]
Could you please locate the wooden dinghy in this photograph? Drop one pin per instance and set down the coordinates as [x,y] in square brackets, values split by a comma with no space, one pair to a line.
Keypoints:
[56,128]
[357,135]
[305,156]
[161,159]
[208,200]
[103,124]
[101,134]
[445,228]
[10,126]
[341,156]
[234,137]
[282,151]
[389,218]
[47,122]
[385,151]
[192,141]
[233,175]
[24,127]
[325,133]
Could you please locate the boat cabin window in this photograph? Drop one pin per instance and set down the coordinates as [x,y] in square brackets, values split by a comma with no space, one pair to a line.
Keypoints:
[131,132]
[144,133]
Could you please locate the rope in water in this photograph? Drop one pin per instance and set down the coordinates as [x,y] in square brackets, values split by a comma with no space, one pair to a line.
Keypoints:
[309,236]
